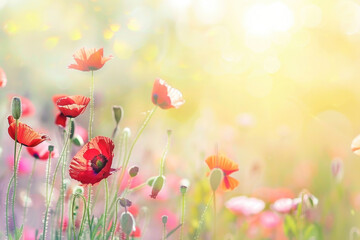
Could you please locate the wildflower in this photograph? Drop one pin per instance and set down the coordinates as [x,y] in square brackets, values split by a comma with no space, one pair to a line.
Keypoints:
[93,162]
[284,205]
[25,134]
[245,205]
[136,233]
[269,219]
[41,151]
[227,166]
[24,166]
[72,106]
[166,96]
[89,59]
[60,119]
[3,79]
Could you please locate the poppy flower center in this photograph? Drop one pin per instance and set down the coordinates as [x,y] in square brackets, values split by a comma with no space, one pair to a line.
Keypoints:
[98,163]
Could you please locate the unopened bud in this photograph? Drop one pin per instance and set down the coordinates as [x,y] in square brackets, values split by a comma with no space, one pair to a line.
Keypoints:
[16,108]
[133,171]
[183,189]
[125,202]
[157,186]
[127,223]
[169,132]
[216,176]
[127,132]
[164,219]
[78,190]
[72,128]
[50,148]
[77,140]
[150,181]
[118,113]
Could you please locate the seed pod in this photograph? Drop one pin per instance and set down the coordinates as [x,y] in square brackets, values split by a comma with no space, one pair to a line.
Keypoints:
[127,223]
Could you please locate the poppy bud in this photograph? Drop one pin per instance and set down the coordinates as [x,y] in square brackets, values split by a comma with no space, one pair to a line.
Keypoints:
[16,107]
[216,176]
[150,181]
[127,223]
[72,128]
[157,186]
[169,132]
[183,189]
[164,219]
[127,131]
[118,113]
[125,202]
[50,148]
[78,190]
[133,171]
[77,140]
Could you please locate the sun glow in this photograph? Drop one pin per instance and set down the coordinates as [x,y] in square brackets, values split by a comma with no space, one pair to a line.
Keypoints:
[263,19]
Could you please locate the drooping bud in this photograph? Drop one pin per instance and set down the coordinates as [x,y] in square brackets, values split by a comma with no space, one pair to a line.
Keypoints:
[16,108]
[118,113]
[127,223]
[78,140]
[133,171]
[157,186]
[216,176]
[78,190]
[150,181]
[125,202]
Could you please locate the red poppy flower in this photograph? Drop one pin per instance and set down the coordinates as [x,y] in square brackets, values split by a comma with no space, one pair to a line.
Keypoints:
[136,233]
[27,107]
[41,151]
[25,134]
[89,59]
[72,106]
[166,96]
[60,119]
[93,162]
[227,166]
[3,79]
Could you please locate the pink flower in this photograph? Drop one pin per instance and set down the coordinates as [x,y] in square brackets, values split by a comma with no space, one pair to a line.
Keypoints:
[269,219]
[284,205]
[245,205]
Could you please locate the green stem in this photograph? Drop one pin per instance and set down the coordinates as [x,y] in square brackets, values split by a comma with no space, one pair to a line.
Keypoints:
[182,215]
[164,232]
[62,195]
[15,172]
[91,118]
[202,219]
[83,216]
[146,121]
[48,200]
[214,198]
[14,193]
[106,206]
[162,162]
[115,221]
[28,190]
[7,205]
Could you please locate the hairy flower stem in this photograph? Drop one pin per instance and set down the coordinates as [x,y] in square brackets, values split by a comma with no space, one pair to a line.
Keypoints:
[162,162]
[139,132]
[16,161]
[91,119]
[202,219]
[7,205]
[63,187]
[28,191]
[214,198]
[182,221]
[48,198]
[116,213]
[85,209]
[106,206]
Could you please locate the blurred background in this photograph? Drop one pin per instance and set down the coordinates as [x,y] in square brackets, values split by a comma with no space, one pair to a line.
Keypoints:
[273,84]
